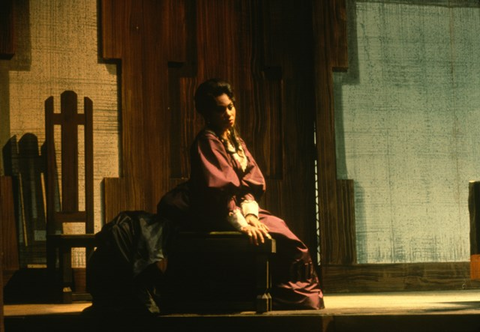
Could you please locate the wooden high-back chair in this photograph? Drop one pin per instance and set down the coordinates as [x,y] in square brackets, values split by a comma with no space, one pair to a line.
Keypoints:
[63,196]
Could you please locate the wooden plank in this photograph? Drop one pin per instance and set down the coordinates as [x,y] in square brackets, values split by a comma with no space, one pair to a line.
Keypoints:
[124,38]
[8,229]
[475,267]
[113,201]
[2,252]
[338,34]
[397,277]
[67,241]
[89,166]
[75,216]
[7,36]
[474,210]
[346,236]
[50,160]
[69,151]
[113,13]
[120,194]
[9,260]
[325,130]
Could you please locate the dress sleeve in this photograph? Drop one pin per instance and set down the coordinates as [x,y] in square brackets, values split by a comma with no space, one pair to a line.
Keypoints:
[217,172]
[216,169]
[249,206]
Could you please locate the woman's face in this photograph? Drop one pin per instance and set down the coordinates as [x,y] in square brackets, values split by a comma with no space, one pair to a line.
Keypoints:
[222,117]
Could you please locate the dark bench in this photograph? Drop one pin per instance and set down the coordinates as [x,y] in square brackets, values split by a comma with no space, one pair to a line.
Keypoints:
[219,271]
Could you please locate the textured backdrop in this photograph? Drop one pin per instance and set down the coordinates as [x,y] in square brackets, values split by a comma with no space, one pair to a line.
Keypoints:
[407,124]
[57,50]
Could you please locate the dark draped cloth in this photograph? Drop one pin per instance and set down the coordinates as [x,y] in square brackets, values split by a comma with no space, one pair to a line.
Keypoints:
[217,185]
[121,275]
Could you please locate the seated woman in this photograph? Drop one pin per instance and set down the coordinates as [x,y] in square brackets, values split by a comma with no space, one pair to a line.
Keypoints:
[222,193]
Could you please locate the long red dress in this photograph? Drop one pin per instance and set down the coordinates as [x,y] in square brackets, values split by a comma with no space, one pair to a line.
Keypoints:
[218,185]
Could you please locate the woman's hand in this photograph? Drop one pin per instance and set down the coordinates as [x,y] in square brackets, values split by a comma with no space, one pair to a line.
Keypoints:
[255,235]
[256,231]
[253,221]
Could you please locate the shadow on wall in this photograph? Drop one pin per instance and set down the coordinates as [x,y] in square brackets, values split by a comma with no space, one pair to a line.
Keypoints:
[21,61]
[23,163]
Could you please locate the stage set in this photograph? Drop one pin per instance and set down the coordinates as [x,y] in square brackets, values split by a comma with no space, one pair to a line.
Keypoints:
[365,157]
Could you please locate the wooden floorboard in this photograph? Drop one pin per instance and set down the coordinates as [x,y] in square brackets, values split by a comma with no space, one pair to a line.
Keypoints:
[449,311]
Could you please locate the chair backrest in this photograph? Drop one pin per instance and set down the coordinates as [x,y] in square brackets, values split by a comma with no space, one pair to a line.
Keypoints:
[65,208]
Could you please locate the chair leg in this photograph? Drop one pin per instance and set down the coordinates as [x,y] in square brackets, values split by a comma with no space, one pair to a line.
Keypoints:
[264,299]
[55,279]
[66,273]
[51,260]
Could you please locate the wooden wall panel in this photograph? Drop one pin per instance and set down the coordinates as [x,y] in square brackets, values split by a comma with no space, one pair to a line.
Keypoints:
[7,50]
[9,261]
[1,291]
[123,38]
[8,247]
[338,50]
[8,229]
[113,15]
[7,46]
[167,48]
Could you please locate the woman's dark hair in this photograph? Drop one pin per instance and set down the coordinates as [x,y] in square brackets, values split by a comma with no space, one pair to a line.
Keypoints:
[205,102]
[208,91]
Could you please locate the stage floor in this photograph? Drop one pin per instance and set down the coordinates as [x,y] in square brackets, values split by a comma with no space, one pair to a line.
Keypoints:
[449,311]
[454,302]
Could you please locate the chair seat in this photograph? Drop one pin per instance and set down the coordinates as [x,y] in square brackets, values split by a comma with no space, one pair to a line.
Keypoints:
[72,240]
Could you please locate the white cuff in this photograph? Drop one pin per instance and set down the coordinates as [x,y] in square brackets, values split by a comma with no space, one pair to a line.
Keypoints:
[249,207]
[237,220]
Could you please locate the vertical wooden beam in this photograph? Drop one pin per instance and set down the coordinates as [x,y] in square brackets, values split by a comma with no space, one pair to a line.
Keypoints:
[89,162]
[123,38]
[9,261]
[347,249]
[1,283]
[1,290]
[338,36]
[50,152]
[7,46]
[112,13]
[8,229]
[69,155]
[329,24]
